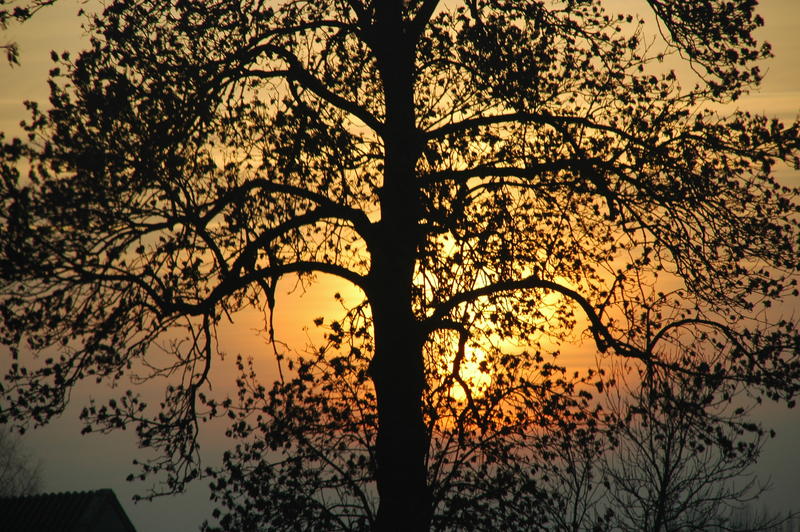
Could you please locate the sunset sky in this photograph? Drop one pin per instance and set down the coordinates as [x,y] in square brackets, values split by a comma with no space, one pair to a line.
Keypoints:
[71,462]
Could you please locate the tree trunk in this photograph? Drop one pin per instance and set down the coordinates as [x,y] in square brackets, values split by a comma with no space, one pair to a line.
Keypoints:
[397,369]
[402,442]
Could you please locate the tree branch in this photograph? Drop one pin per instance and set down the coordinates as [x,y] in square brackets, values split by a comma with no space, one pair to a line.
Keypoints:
[522,118]
[692,321]
[528,172]
[422,17]
[297,72]
[248,254]
[232,284]
[357,217]
[602,336]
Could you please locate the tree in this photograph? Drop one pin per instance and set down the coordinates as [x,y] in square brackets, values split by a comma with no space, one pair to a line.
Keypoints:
[750,518]
[19,475]
[672,469]
[490,174]
[677,456]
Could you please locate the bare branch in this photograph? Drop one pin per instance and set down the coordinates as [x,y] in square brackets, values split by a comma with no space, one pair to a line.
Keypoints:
[307,80]
[602,335]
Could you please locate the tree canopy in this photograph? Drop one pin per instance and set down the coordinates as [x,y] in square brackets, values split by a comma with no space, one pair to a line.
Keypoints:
[497,177]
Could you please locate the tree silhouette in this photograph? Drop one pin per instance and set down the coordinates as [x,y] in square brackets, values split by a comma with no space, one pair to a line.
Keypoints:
[304,453]
[660,451]
[19,474]
[673,469]
[491,175]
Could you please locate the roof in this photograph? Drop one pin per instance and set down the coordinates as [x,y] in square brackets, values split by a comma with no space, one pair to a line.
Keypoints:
[87,511]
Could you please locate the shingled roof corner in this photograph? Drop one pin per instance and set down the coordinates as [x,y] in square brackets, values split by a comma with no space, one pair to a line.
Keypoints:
[88,511]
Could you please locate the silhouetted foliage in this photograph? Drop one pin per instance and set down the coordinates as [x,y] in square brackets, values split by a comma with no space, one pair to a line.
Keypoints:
[661,451]
[495,176]
[304,448]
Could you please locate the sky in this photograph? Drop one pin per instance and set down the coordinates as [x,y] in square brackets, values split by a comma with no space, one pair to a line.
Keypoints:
[71,462]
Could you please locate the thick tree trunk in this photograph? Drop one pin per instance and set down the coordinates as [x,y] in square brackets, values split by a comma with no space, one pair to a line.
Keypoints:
[402,441]
[397,368]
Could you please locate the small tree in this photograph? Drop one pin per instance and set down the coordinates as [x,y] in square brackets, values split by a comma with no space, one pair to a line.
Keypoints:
[499,173]
[685,449]
[749,518]
[19,474]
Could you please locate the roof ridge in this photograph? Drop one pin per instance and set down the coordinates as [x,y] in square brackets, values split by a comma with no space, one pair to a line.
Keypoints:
[75,492]
[101,491]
